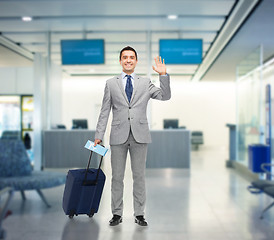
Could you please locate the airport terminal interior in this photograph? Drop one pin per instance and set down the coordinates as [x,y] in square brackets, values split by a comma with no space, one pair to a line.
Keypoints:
[209,168]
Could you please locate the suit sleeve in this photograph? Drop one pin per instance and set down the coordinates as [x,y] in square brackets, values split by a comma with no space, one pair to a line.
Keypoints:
[104,114]
[163,93]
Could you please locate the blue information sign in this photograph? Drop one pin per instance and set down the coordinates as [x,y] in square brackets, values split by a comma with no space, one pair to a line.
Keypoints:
[181,51]
[82,51]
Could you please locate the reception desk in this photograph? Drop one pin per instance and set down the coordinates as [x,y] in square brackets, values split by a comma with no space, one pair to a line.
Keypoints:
[65,149]
[169,149]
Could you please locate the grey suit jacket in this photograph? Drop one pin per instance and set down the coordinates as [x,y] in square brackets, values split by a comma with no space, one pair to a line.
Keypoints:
[129,115]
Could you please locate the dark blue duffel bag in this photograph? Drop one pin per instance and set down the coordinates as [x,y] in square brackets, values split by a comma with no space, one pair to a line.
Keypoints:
[83,190]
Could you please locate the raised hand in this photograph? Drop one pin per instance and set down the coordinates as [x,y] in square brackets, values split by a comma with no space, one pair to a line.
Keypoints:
[160,66]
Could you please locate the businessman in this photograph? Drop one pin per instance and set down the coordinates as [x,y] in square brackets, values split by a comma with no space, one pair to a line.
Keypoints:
[127,95]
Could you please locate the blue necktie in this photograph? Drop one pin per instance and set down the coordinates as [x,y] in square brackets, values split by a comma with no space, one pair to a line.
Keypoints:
[129,88]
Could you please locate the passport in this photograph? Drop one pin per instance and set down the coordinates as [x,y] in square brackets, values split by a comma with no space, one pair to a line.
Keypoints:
[98,149]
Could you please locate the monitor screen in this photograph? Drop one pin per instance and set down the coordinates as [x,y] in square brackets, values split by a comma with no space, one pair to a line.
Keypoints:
[171,123]
[79,123]
[181,51]
[82,51]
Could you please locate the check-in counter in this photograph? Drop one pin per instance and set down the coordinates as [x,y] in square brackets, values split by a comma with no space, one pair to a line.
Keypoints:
[170,148]
[65,149]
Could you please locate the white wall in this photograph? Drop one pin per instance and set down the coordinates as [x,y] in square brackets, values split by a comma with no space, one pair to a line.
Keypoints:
[20,80]
[16,80]
[205,106]
[81,99]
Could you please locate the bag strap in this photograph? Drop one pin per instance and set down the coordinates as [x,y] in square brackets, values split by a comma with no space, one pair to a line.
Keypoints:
[96,180]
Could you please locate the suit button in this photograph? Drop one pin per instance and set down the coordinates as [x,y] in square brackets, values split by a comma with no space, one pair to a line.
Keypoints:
[129,107]
[128,118]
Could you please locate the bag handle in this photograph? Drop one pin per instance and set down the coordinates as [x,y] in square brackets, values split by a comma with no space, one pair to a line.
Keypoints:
[85,182]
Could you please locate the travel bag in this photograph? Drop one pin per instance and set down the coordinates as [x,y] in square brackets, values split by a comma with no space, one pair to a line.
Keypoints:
[83,190]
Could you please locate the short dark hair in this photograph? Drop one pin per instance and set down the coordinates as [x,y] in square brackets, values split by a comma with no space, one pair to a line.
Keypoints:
[128,48]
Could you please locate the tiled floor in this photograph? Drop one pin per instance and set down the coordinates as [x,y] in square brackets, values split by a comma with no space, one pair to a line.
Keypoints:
[208,202]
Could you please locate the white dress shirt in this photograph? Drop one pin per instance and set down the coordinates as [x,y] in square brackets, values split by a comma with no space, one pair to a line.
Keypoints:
[124,79]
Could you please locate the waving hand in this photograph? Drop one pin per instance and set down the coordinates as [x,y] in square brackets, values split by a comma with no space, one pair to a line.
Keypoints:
[160,66]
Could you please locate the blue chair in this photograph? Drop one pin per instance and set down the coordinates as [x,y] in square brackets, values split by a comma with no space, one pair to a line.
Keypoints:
[16,171]
[263,186]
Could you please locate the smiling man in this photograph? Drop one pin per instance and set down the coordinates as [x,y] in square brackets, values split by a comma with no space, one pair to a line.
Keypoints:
[127,95]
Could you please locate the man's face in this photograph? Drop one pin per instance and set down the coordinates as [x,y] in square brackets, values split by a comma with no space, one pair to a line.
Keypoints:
[128,61]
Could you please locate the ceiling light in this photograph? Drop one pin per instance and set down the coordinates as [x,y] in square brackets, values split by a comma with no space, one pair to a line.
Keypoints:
[172,17]
[27,19]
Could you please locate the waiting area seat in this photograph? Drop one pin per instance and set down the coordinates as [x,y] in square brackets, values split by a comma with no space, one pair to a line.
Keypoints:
[263,186]
[16,171]
[197,139]
[11,135]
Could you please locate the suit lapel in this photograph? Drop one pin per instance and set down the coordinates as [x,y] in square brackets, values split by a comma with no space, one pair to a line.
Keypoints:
[136,85]
[119,82]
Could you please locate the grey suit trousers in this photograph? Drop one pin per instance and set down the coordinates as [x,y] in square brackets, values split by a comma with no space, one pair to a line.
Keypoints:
[138,153]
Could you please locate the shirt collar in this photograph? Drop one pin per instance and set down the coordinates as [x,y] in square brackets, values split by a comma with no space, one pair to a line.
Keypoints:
[132,75]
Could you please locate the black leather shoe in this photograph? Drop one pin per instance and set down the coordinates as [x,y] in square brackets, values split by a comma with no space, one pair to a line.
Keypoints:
[116,219]
[141,221]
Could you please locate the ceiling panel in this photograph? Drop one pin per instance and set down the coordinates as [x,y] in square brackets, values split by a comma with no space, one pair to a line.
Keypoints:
[9,58]
[27,37]
[12,8]
[110,24]
[137,23]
